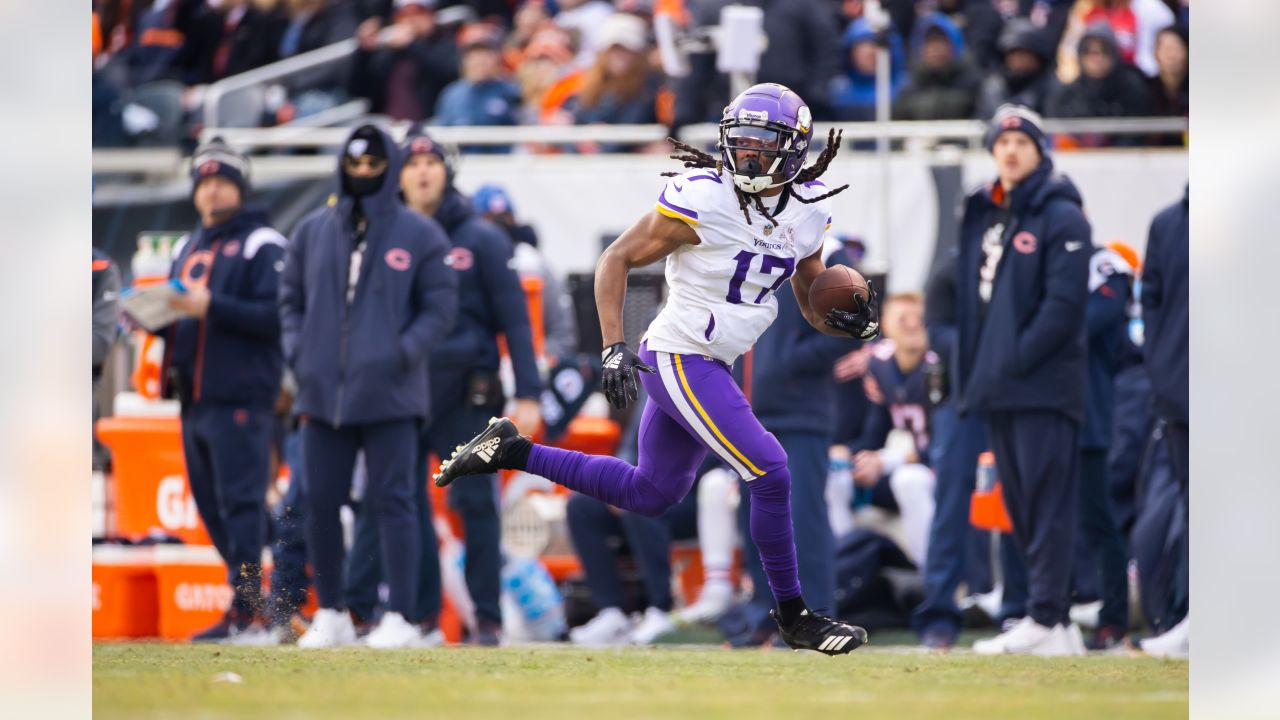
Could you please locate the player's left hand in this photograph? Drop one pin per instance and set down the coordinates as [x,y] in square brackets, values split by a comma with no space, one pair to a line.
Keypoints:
[619,379]
[193,303]
[863,324]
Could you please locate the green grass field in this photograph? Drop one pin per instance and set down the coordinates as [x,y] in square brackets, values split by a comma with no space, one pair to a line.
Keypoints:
[144,680]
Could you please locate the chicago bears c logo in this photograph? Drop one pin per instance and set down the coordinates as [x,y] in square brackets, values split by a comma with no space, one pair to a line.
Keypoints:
[195,271]
[398,259]
[460,259]
[210,167]
[1024,242]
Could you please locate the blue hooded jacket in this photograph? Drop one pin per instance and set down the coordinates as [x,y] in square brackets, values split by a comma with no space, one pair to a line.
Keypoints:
[853,91]
[1029,351]
[491,301]
[366,362]
[232,355]
[1166,309]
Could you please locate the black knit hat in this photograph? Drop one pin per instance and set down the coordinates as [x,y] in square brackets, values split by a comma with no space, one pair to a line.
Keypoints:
[1011,117]
[418,142]
[216,157]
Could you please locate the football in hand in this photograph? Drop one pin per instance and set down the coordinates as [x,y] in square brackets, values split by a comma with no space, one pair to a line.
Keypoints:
[834,290]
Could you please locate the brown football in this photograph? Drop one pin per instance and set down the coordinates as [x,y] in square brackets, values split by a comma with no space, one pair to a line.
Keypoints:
[834,289]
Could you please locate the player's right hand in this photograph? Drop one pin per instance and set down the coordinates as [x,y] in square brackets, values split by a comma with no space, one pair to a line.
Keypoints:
[619,379]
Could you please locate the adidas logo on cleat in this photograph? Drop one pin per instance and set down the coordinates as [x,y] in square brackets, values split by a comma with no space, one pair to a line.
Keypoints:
[835,643]
[486,449]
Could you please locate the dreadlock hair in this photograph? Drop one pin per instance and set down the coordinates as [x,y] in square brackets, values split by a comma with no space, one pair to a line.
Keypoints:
[692,157]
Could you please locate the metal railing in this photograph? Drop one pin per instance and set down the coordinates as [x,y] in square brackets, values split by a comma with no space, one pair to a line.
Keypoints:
[279,70]
[297,136]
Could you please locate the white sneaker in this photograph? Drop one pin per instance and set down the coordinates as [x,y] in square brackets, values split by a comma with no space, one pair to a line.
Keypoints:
[1077,640]
[1174,643]
[435,638]
[714,600]
[394,632]
[655,624]
[1025,635]
[1060,642]
[329,628]
[610,627]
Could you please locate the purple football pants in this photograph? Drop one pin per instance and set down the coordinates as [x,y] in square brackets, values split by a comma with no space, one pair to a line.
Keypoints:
[694,406]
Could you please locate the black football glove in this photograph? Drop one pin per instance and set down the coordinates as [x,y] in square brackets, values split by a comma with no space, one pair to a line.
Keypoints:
[619,378]
[863,324]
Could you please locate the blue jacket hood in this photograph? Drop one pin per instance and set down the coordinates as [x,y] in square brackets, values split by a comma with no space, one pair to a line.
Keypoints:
[856,88]
[388,196]
[943,23]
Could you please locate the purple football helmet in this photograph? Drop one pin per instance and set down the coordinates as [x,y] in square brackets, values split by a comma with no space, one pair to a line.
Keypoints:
[773,126]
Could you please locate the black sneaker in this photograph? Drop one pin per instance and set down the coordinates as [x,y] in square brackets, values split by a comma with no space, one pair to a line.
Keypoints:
[230,624]
[819,632]
[480,456]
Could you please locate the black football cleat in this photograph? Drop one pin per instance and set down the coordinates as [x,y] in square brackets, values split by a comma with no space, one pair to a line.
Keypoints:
[480,456]
[819,632]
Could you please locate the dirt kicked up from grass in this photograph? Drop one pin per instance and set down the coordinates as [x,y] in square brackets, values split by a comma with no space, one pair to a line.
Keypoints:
[144,680]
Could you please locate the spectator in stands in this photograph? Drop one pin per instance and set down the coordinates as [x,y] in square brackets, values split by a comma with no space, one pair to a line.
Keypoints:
[483,95]
[599,534]
[310,25]
[364,298]
[943,83]
[803,54]
[234,37]
[853,93]
[223,363]
[1025,76]
[981,24]
[1107,320]
[549,81]
[1106,87]
[1165,314]
[1021,290]
[403,68]
[620,87]
[584,20]
[1170,88]
[465,392]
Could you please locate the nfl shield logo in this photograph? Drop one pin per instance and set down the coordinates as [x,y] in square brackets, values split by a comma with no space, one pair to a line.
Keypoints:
[768,230]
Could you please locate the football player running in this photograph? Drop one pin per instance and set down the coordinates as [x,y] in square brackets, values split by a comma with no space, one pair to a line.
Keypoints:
[732,231]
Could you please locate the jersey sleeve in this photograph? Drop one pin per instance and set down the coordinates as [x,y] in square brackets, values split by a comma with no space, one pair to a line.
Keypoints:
[688,196]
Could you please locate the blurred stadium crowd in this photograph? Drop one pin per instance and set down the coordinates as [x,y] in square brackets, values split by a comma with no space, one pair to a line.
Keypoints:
[565,62]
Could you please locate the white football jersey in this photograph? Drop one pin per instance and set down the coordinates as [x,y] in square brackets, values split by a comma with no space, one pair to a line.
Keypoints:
[720,291]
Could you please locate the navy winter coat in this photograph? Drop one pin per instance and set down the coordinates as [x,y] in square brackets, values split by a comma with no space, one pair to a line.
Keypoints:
[1028,353]
[1166,310]
[366,362]
[232,355]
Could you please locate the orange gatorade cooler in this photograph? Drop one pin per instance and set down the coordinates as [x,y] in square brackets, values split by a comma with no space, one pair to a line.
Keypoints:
[124,592]
[149,489]
[192,589]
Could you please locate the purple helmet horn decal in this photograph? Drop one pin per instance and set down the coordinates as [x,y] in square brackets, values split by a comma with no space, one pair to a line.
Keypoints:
[765,134]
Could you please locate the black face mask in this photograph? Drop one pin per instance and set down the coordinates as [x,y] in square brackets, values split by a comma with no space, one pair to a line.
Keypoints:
[362,186]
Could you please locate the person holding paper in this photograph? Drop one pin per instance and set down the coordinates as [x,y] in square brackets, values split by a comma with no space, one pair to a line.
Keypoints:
[223,364]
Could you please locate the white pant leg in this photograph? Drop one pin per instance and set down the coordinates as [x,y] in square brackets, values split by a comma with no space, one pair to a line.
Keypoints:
[912,487]
[717,520]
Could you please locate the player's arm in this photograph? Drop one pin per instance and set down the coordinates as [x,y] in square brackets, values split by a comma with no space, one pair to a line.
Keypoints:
[650,239]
